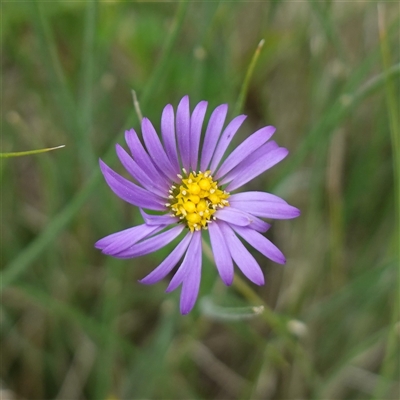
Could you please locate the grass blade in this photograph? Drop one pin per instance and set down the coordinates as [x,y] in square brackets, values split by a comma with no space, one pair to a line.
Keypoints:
[245,86]
[59,87]
[29,152]
[390,361]
[211,310]
[60,221]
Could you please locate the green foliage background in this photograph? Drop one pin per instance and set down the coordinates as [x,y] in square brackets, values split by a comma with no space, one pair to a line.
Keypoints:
[76,324]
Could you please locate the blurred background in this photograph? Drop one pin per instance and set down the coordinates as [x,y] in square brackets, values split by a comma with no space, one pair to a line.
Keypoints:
[76,324]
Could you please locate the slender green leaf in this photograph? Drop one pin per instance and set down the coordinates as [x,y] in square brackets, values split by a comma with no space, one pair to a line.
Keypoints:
[29,152]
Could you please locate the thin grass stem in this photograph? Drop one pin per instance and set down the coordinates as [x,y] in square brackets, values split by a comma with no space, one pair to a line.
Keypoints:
[87,68]
[245,86]
[29,152]
[19,264]
[390,361]
[136,105]
[63,96]
[161,65]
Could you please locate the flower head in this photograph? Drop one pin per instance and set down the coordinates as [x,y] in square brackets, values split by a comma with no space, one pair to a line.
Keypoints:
[193,188]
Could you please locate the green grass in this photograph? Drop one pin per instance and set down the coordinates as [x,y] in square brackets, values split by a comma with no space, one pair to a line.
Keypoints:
[76,324]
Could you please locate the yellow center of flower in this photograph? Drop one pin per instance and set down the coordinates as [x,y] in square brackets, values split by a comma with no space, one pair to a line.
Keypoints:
[196,199]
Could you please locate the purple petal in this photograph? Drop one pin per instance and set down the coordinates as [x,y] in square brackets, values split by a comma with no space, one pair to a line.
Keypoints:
[156,150]
[196,123]
[187,263]
[213,132]
[258,224]
[226,137]
[144,161]
[248,172]
[244,260]
[169,263]
[255,196]
[128,240]
[245,149]
[107,240]
[133,168]
[222,257]
[233,216]
[130,192]
[236,215]
[268,210]
[183,131]
[151,245]
[261,243]
[191,283]
[165,219]
[168,135]
[263,151]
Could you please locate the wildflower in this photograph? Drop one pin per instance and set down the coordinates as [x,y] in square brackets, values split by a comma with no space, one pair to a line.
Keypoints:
[192,188]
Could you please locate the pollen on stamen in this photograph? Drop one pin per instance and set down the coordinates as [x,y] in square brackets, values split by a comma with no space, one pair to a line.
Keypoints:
[196,198]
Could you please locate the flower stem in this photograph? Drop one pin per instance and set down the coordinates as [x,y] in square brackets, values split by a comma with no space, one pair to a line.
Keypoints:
[252,297]
[248,293]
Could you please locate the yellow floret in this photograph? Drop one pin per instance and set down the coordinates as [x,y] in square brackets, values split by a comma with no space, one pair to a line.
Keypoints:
[194,188]
[202,205]
[205,184]
[189,206]
[196,199]
[214,198]
[194,218]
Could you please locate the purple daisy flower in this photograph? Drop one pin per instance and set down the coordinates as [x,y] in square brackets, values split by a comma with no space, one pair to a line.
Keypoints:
[192,189]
